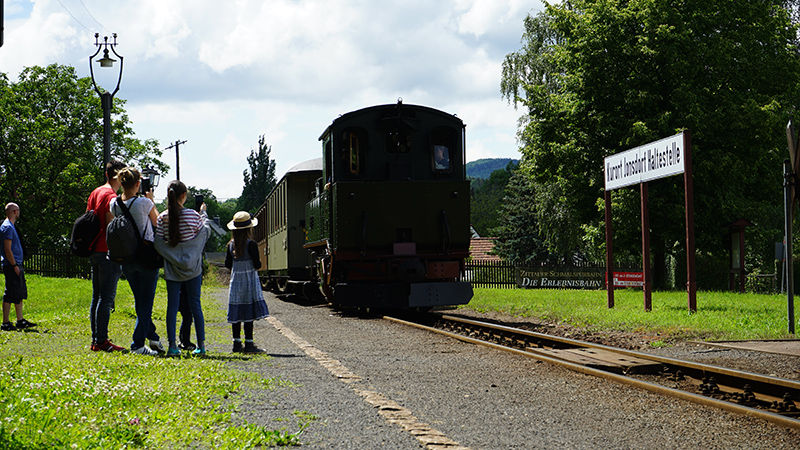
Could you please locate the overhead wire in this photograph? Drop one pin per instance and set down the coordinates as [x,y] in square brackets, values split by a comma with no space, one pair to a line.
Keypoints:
[90,15]
[73,17]
[76,19]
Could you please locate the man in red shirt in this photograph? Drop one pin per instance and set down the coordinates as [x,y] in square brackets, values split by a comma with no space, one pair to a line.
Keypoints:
[105,274]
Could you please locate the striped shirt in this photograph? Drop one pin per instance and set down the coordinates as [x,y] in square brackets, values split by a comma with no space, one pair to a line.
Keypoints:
[191,222]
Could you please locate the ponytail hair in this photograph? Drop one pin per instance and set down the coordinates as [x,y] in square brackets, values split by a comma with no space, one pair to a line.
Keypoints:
[128,177]
[174,192]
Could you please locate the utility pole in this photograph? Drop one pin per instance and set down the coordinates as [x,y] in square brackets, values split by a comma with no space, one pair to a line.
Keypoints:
[177,146]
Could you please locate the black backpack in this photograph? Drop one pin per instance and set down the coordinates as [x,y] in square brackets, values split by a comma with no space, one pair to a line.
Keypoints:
[122,236]
[84,234]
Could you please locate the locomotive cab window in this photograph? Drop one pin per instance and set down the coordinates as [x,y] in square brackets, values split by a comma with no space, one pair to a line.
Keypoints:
[355,167]
[441,158]
[354,150]
[442,142]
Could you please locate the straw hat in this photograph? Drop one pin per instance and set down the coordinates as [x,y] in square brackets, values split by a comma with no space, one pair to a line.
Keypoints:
[241,220]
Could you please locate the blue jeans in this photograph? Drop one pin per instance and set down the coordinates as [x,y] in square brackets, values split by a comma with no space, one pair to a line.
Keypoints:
[105,275]
[193,288]
[143,285]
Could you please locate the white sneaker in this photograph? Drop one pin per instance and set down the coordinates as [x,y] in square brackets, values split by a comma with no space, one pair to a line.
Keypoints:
[145,350]
[157,346]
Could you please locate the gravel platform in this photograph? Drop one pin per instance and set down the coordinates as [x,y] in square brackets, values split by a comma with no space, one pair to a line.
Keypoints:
[376,384]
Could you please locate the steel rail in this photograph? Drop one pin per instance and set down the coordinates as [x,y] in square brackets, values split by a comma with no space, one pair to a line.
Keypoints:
[623,379]
[769,386]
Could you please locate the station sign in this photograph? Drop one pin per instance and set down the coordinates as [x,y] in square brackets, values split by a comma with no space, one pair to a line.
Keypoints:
[658,159]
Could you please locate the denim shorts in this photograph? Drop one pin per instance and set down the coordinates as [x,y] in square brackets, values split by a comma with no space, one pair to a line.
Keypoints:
[16,288]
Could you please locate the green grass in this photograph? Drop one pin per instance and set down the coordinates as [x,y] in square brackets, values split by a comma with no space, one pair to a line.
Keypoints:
[719,316]
[55,393]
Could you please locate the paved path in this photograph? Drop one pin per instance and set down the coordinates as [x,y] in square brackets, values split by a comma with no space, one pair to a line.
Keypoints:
[376,384]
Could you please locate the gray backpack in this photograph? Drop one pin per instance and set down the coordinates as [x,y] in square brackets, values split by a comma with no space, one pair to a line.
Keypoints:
[122,236]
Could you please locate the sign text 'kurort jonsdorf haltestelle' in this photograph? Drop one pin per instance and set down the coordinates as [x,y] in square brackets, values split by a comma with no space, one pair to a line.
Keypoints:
[650,161]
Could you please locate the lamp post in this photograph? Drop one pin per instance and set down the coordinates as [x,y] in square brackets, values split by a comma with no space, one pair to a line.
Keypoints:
[106,98]
[150,179]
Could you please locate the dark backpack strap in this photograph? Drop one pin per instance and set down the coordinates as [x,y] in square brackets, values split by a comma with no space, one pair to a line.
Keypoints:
[99,232]
[129,216]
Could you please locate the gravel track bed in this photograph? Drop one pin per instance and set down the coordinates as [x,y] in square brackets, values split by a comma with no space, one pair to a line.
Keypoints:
[478,397]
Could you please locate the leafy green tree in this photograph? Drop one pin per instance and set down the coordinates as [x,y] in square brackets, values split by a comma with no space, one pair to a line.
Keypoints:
[601,76]
[51,149]
[226,211]
[487,197]
[260,180]
[518,240]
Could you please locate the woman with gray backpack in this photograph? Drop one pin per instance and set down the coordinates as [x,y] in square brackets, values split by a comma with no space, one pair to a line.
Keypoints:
[142,275]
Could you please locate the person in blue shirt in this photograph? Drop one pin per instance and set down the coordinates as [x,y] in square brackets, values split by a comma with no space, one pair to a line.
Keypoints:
[12,255]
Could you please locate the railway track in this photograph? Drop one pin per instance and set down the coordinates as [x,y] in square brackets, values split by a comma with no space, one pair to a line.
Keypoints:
[755,395]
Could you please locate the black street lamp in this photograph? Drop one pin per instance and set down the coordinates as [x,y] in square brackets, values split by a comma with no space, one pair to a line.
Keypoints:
[150,179]
[106,98]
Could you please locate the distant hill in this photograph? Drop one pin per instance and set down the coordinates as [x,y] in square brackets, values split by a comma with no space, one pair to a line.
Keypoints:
[482,168]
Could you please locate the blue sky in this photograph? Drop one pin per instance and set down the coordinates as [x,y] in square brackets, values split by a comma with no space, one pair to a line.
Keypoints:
[220,74]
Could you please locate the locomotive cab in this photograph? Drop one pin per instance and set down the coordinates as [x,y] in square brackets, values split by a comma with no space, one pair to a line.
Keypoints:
[390,225]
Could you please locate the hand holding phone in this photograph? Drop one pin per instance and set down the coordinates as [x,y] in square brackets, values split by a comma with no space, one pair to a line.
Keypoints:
[198,202]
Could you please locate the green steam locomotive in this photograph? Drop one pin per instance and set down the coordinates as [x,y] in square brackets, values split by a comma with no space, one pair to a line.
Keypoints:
[381,220]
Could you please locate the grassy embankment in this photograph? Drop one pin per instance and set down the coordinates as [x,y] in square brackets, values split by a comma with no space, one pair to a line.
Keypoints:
[55,393]
[719,316]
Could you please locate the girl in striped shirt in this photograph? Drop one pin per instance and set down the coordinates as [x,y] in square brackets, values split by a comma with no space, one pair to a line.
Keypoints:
[181,234]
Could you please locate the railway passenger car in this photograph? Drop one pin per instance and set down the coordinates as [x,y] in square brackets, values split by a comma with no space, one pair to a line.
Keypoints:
[280,230]
[389,225]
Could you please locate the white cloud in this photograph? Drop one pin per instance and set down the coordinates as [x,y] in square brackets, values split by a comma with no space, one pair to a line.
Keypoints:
[220,74]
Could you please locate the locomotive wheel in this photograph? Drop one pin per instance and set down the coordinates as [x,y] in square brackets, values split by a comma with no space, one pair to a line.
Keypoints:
[282,285]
